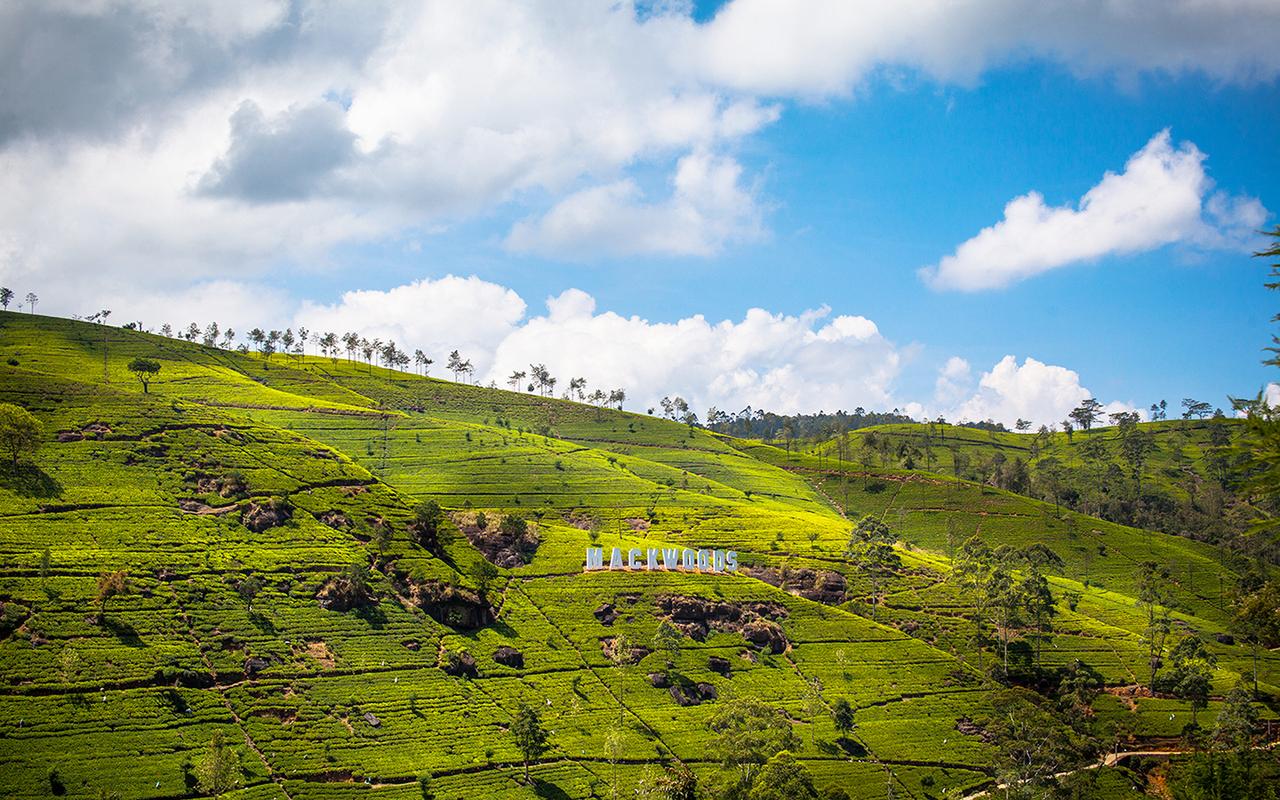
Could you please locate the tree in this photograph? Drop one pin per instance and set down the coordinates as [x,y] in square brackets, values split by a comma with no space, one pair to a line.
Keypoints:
[455,364]
[1037,605]
[677,783]
[1155,599]
[1259,445]
[111,584]
[749,733]
[482,572]
[1087,413]
[1022,425]
[1190,674]
[843,716]
[32,299]
[576,385]
[219,767]
[530,736]
[668,640]
[425,527]
[20,432]
[870,549]
[515,379]
[144,369]
[783,778]
[1032,743]
[1257,619]
[248,588]
[6,297]
[421,361]
[1195,408]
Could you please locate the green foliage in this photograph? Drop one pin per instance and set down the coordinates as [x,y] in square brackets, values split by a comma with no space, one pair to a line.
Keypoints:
[219,770]
[668,641]
[1032,742]
[20,432]
[783,778]
[749,732]
[1219,775]
[529,735]
[842,715]
[145,370]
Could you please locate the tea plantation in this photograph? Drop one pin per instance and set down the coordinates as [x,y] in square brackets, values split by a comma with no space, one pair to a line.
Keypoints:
[241,553]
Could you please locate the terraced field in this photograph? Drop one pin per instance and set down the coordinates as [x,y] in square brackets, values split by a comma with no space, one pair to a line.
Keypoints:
[238,497]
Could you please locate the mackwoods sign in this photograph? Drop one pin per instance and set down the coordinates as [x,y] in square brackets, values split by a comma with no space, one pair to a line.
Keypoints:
[663,558]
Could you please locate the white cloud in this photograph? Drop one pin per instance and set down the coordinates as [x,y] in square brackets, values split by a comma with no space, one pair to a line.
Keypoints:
[1040,392]
[467,314]
[954,379]
[1158,200]
[707,209]
[1272,395]
[387,120]
[825,47]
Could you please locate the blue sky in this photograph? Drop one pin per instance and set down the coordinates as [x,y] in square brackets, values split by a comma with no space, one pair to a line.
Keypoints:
[814,183]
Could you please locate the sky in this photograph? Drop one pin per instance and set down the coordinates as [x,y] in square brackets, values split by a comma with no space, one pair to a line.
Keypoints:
[985,210]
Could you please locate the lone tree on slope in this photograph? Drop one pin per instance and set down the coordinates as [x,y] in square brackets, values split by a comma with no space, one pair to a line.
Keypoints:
[6,296]
[530,736]
[870,549]
[144,369]
[19,431]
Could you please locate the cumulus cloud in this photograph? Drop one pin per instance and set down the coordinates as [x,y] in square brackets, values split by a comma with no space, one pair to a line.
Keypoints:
[765,360]
[1159,199]
[708,208]
[289,158]
[824,47]
[217,139]
[954,380]
[1031,390]
[1009,391]
[471,315]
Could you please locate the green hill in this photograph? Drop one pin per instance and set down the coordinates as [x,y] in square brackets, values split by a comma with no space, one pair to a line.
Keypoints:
[282,587]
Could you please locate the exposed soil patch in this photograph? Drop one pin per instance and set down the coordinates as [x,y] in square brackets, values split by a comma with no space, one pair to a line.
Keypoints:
[352,491]
[1129,694]
[823,586]
[506,542]
[633,654]
[286,716]
[317,649]
[194,506]
[258,517]
[222,485]
[756,622]
[638,523]
[335,519]
[341,593]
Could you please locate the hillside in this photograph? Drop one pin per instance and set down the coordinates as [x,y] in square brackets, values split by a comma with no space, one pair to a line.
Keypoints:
[282,587]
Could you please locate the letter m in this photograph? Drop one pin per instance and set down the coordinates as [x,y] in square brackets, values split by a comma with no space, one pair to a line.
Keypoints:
[595,558]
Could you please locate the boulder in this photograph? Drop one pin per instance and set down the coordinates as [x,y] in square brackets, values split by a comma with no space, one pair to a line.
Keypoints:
[459,665]
[718,665]
[509,656]
[606,613]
